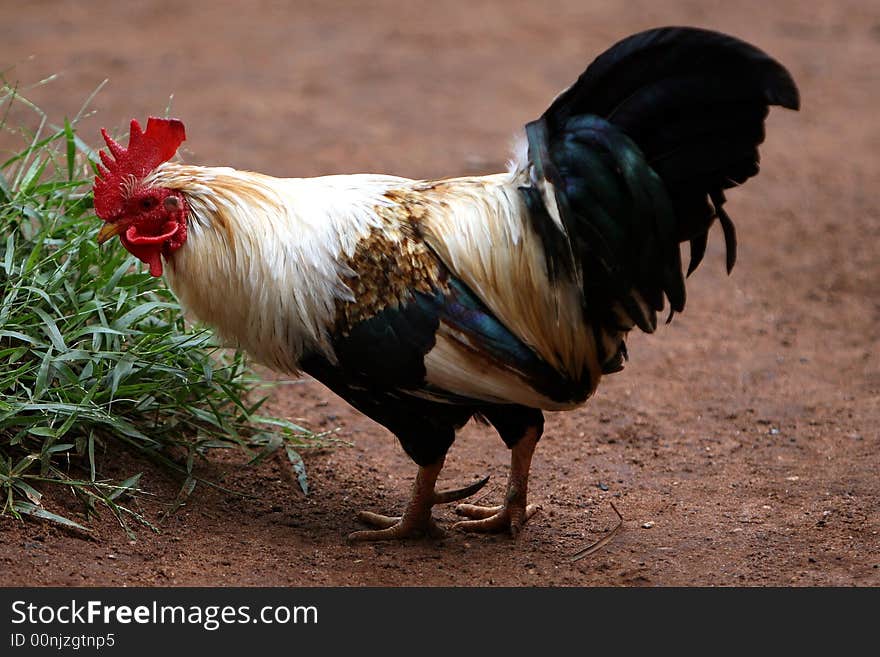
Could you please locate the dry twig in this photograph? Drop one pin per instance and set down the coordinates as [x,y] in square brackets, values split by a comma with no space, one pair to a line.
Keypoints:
[602,542]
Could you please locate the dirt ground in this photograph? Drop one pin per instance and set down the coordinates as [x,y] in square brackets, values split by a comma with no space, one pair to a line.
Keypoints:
[740,443]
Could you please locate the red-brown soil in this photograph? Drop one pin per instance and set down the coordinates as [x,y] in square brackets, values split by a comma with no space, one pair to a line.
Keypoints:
[746,431]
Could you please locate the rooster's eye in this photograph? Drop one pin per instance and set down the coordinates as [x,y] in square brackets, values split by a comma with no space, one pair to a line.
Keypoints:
[148,203]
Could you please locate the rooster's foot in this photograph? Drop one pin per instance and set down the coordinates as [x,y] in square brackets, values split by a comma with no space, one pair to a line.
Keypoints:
[495,519]
[416,522]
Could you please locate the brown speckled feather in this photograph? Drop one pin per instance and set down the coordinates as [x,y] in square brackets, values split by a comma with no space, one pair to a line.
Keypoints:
[388,265]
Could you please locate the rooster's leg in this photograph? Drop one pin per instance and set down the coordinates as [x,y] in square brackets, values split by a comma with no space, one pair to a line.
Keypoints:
[416,520]
[514,513]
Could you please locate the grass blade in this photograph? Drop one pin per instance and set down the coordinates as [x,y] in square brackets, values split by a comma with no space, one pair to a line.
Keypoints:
[71,149]
[26,508]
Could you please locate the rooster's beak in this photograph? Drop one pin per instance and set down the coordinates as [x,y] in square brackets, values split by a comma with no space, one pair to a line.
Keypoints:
[110,230]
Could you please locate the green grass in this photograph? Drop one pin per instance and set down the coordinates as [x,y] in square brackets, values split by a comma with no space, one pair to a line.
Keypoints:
[94,353]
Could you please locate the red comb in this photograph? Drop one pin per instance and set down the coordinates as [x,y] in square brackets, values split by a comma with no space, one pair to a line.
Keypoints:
[146,150]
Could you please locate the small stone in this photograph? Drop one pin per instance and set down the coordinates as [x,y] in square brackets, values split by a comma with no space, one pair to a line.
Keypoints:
[648,525]
[603,486]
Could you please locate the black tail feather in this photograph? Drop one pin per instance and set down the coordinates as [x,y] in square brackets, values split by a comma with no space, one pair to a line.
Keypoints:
[638,152]
[698,250]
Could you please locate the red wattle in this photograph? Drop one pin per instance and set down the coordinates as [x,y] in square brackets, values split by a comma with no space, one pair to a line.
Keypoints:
[156,264]
[148,248]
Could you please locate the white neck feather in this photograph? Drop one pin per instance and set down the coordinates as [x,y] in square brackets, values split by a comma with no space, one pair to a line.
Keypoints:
[262,261]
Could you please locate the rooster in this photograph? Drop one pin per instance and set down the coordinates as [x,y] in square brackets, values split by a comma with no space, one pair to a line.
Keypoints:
[425,303]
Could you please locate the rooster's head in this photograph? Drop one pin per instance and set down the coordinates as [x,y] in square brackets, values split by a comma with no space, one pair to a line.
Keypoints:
[150,220]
